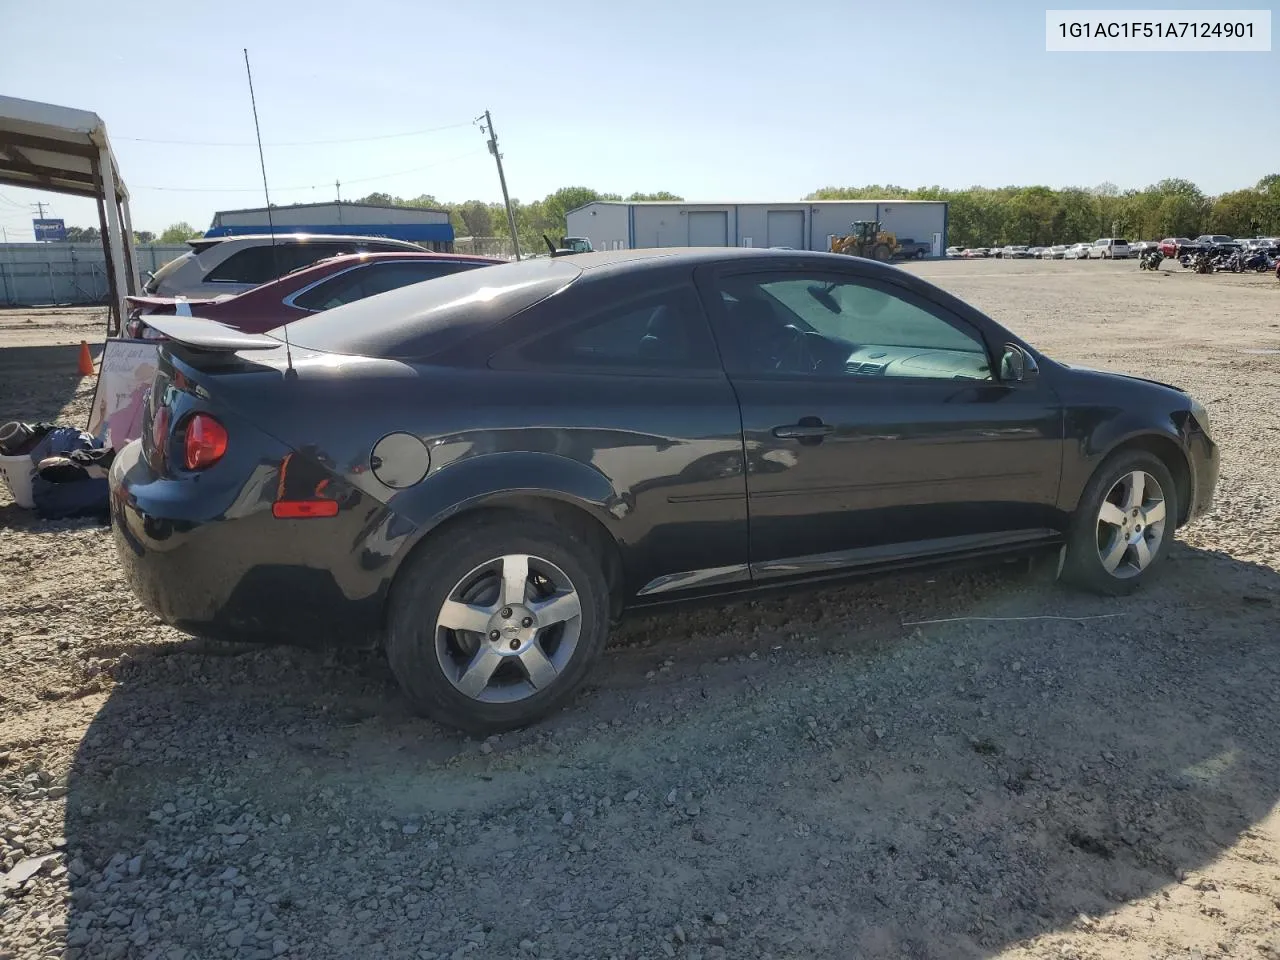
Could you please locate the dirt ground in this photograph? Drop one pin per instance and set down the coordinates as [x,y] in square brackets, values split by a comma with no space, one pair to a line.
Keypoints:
[818,776]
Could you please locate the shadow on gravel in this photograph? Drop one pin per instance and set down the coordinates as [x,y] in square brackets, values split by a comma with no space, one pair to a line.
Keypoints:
[39,381]
[795,778]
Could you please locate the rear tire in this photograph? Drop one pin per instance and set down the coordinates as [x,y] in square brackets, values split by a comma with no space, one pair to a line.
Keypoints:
[533,604]
[882,253]
[1115,537]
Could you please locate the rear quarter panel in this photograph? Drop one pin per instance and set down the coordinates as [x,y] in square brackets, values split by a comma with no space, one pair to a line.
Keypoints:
[657,461]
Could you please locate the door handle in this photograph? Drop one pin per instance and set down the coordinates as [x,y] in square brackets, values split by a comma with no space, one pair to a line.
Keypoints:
[809,428]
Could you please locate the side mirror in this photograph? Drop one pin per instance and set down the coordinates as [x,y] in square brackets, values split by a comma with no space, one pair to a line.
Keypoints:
[1016,365]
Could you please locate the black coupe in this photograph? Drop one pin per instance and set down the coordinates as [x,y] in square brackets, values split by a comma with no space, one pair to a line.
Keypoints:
[482,472]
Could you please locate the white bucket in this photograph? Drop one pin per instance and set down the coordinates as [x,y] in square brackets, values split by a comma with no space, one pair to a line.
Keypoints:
[17,473]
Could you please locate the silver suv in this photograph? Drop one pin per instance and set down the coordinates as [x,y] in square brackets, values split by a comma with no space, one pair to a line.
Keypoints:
[218,266]
[1110,248]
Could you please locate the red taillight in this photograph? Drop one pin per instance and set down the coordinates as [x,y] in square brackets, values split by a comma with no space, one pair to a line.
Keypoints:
[302,509]
[206,442]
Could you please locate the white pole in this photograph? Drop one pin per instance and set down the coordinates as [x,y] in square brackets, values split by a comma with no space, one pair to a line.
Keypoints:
[115,239]
[129,245]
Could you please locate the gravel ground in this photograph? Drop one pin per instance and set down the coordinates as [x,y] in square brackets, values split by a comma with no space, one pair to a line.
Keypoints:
[816,776]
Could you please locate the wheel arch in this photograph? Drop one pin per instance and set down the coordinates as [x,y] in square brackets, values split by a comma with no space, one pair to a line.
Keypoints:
[1164,447]
[550,505]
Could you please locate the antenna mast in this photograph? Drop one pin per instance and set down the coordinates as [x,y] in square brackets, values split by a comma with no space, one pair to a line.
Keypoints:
[271,226]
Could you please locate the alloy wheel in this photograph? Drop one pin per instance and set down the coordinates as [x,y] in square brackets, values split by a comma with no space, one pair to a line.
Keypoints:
[1131,524]
[508,629]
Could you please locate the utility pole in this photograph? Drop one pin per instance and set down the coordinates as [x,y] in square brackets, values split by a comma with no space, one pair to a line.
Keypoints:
[487,127]
[337,185]
[40,206]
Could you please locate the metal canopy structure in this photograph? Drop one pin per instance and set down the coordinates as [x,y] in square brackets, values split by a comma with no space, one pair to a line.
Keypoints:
[63,150]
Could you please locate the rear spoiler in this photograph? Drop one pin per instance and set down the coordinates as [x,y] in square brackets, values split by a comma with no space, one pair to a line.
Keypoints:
[209,336]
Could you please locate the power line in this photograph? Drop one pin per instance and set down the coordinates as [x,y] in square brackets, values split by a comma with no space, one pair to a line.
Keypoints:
[12,202]
[295,143]
[313,186]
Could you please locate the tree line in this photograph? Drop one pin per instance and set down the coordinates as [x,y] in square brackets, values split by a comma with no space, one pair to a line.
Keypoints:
[1040,216]
[978,216]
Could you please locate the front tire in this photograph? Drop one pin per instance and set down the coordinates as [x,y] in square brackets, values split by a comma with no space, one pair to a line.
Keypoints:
[1123,525]
[495,626]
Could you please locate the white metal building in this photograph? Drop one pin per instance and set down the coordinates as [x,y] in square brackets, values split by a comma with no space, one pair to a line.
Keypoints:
[802,225]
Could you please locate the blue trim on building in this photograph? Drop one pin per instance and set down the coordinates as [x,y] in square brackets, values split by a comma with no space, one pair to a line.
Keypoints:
[631,226]
[412,232]
[946,218]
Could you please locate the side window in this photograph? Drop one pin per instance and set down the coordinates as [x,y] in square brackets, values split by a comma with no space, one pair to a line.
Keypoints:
[367,281]
[832,327]
[294,256]
[333,292]
[661,331]
[263,263]
[252,265]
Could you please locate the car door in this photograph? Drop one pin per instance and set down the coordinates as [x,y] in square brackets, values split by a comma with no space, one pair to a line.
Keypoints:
[874,426]
[625,376]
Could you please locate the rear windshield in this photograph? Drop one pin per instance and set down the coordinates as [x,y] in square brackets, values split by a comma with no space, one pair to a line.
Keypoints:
[417,321]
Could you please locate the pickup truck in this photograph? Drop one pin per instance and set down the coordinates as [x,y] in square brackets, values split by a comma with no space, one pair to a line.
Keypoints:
[914,249]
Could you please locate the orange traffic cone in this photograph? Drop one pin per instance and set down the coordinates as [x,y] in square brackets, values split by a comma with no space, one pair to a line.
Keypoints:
[86,360]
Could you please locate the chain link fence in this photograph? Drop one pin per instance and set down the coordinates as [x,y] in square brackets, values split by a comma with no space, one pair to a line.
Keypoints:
[67,274]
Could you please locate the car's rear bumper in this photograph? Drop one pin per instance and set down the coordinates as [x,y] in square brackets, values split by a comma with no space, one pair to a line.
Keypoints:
[240,574]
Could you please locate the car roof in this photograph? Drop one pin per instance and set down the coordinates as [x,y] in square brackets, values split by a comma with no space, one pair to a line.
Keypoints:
[336,264]
[376,256]
[448,308]
[206,243]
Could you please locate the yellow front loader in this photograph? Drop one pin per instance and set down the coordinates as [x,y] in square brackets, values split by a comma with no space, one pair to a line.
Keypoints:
[866,240]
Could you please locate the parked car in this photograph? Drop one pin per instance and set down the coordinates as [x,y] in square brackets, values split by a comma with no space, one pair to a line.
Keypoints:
[1035,252]
[1174,246]
[1143,247]
[971,253]
[1078,251]
[913,249]
[954,252]
[1216,240]
[1057,252]
[217,266]
[469,471]
[1110,248]
[321,286]
[1015,252]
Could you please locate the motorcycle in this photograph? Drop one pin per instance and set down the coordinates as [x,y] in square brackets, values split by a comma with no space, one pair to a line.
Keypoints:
[1257,261]
[1227,261]
[1202,262]
[1151,261]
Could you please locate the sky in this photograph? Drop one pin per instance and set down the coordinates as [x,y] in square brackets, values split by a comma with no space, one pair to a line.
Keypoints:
[753,100]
